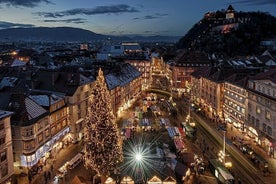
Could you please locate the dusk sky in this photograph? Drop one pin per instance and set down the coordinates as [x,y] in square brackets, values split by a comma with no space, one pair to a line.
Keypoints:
[120,17]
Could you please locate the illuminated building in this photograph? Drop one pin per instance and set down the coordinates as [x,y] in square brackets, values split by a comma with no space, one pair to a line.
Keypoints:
[6,152]
[261,107]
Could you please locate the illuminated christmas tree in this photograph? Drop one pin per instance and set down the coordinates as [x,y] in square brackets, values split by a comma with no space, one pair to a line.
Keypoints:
[102,143]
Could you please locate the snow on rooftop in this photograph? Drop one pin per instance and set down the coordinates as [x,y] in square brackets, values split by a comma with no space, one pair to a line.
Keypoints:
[85,80]
[4,114]
[45,100]
[248,62]
[7,82]
[128,73]
[34,110]
[17,62]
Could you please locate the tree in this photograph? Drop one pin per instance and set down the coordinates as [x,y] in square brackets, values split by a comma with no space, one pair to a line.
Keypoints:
[102,143]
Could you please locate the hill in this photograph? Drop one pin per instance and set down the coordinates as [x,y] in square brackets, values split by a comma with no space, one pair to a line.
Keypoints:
[48,34]
[238,35]
[63,34]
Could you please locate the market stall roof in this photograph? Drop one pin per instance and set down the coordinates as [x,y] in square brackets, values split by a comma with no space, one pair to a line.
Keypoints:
[79,180]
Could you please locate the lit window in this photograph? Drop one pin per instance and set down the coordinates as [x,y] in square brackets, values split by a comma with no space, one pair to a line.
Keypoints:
[40,137]
[47,132]
[258,110]
[267,115]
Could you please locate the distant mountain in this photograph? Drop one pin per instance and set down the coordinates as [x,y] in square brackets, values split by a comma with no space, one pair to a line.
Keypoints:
[156,38]
[62,34]
[240,34]
[48,34]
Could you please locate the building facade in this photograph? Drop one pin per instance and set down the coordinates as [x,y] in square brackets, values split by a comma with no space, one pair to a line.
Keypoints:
[6,151]
[235,100]
[261,117]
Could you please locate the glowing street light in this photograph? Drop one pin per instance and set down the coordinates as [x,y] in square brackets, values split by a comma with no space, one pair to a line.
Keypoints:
[138,159]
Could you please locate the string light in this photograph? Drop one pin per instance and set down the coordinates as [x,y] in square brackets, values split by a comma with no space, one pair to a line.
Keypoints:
[102,143]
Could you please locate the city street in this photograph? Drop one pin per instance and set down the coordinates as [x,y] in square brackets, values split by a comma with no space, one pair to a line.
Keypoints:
[243,168]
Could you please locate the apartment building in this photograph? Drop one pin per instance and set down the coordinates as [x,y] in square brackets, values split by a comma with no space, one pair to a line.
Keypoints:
[235,102]
[144,67]
[183,66]
[58,130]
[261,108]
[30,130]
[6,151]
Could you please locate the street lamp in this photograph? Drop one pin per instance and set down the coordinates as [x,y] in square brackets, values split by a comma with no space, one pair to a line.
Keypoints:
[222,154]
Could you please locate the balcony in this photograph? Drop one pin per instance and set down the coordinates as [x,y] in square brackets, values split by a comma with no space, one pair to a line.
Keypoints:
[28,137]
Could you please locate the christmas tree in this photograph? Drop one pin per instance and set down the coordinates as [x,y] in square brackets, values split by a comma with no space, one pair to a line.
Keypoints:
[102,143]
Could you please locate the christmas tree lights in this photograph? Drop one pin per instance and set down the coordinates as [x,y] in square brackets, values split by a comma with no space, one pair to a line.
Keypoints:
[102,143]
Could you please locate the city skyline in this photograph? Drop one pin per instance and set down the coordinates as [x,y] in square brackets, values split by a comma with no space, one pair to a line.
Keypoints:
[120,17]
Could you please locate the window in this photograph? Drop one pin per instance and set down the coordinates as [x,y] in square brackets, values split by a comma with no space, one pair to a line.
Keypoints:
[258,110]
[267,115]
[40,125]
[268,92]
[28,132]
[268,103]
[264,127]
[64,123]
[250,84]
[47,132]
[40,137]
[253,120]
[57,116]
[2,140]
[249,118]
[259,88]
[269,130]
[4,170]
[28,145]
[257,123]
[59,126]
[3,156]
[249,106]
[53,130]
[2,126]
[243,110]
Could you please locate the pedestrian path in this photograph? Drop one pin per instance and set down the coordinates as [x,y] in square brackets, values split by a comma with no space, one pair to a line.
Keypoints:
[50,169]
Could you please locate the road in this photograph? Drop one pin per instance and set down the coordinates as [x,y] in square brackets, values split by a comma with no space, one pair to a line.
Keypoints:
[242,168]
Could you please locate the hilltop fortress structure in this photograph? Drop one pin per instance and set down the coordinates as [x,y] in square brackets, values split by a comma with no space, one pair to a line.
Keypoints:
[226,20]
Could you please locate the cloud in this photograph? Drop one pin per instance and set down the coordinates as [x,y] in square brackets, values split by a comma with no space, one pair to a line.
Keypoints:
[255,2]
[5,25]
[75,21]
[113,9]
[25,3]
[155,16]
